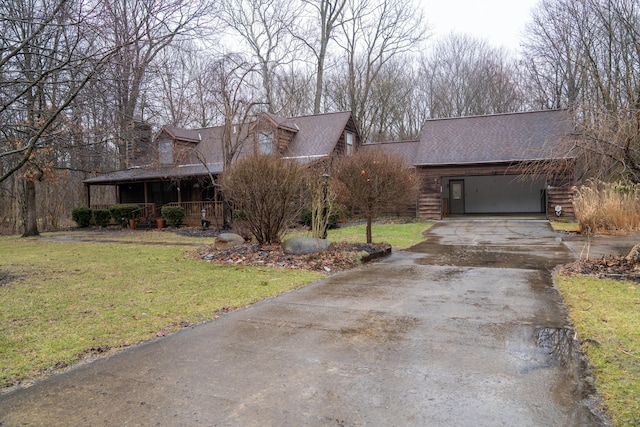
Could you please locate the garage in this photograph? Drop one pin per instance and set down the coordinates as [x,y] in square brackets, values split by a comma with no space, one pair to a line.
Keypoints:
[494,194]
[500,163]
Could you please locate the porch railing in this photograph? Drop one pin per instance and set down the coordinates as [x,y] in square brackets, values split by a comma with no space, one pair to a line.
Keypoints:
[147,211]
[193,212]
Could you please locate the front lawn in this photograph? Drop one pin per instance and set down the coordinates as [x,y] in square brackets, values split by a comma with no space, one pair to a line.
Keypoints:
[67,296]
[60,301]
[606,316]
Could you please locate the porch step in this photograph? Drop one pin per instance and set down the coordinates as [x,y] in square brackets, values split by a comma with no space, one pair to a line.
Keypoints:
[146,224]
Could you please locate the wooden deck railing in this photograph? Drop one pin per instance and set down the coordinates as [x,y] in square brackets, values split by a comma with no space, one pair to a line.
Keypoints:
[193,212]
[148,211]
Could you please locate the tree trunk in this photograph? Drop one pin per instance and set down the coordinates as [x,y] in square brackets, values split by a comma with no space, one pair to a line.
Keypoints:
[29,210]
[227,214]
[369,221]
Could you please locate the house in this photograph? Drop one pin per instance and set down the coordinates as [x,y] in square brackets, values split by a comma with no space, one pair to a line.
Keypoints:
[181,165]
[493,164]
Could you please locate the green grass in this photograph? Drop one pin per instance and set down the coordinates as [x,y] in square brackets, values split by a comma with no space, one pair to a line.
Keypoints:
[607,314]
[399,236]
[62,299]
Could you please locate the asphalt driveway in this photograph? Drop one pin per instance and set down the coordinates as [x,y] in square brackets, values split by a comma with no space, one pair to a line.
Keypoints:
[464,329]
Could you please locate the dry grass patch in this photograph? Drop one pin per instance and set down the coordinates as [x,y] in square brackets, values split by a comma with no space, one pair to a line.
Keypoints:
[603,207]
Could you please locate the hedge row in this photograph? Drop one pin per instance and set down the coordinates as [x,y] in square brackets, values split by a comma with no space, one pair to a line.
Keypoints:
[102,217]
[121,215]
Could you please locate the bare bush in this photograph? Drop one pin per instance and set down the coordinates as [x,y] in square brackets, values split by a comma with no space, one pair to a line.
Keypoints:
[373,181]
[322,197]
[267,189]
[601,207]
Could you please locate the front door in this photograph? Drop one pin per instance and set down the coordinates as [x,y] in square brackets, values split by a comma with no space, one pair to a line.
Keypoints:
[456,196]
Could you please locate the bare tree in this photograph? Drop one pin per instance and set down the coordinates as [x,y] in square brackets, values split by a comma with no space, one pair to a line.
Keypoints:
[372,33]
[586,55]
[47,59]
[294,90]
[328,15]
[322,196]
[234,102]
[143,28]
[373,180]
[465,76]
[265,26]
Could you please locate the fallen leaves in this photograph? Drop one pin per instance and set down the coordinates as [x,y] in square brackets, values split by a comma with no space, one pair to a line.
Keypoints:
[341,256]
[610,267]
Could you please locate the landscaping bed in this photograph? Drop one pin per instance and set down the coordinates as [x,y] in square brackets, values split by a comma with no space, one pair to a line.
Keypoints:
[341,256]
[609,267]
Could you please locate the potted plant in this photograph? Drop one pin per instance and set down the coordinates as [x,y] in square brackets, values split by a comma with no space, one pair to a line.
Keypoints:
[161,222]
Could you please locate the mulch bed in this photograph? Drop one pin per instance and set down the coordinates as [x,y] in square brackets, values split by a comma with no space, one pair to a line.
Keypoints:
[609,267]
[341,256]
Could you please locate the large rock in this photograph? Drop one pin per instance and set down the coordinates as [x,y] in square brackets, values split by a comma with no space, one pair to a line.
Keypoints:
[228,240]
[305,245]
[634,254]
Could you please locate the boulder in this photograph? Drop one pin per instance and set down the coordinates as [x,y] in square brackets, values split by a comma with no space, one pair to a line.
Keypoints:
[305,245]
[634,254]
[228,240]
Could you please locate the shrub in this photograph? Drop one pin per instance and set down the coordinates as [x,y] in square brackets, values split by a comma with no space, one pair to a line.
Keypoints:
[81,216]
[122,213]
[101,217]
[173,214]
[373,181]
[268,190]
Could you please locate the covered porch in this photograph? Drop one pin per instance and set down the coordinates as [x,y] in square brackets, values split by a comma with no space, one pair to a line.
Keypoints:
[197,195]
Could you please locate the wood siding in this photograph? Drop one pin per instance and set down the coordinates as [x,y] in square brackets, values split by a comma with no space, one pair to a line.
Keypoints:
[560,181]
[340,147]
[560,196]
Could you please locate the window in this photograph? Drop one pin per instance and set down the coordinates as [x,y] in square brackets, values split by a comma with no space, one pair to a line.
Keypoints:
[166,152]
[348,138]
[265,142]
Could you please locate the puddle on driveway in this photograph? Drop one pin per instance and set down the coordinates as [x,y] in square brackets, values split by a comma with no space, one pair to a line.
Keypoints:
[558,343]
[490,256]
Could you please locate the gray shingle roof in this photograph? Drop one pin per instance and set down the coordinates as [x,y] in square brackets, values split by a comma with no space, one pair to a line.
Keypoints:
[406,149]
[492,138]
[159,173]
[316,137]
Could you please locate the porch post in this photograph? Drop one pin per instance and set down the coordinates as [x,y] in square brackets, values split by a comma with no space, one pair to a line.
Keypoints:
[146,193]
[88,194]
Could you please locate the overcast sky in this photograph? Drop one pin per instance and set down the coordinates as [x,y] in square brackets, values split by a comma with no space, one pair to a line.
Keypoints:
[501,22]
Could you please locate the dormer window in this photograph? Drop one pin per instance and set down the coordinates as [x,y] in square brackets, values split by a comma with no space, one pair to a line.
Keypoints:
[348,142]
[265,142]
[166,152]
